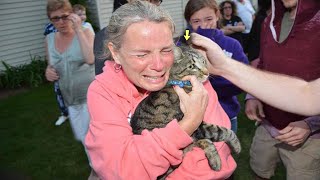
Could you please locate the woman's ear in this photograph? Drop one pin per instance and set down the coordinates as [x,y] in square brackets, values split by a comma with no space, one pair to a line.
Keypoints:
[114,52]
[218,15]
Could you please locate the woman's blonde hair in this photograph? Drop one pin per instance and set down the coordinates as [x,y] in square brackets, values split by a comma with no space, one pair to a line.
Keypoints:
[54,5]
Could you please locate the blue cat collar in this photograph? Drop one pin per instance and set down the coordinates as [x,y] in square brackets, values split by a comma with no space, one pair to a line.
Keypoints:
[179,83]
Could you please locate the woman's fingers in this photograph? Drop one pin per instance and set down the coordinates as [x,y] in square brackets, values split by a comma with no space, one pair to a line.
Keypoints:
[192,104]
[51,74]
[196,85]
[76,21]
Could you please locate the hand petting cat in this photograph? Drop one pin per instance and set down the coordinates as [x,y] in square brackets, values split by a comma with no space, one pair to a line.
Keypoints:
[212,51]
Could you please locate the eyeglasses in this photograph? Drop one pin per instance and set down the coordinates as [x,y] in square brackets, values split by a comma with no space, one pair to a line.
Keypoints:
[57,18]
[156,2]
[227,7]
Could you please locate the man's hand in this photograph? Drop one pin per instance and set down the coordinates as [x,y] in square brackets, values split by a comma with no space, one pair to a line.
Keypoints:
[254,110]
[295,133]
[215,56]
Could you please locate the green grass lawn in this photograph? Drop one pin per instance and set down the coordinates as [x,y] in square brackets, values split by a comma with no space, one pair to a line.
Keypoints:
[33,146]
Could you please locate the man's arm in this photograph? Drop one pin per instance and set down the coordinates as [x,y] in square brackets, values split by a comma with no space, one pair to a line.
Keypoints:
[238,28]
[283,92]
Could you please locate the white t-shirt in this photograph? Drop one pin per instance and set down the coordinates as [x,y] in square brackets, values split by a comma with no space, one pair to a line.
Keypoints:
[245,12]
[86,25]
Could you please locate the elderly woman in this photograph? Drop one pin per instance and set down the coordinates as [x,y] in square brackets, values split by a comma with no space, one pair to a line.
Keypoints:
[70,59]
[141,44]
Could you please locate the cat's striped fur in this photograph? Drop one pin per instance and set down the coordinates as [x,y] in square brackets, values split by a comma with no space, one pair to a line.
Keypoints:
[160,107]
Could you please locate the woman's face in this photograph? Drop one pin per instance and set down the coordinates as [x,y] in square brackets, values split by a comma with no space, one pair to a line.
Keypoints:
[146,54]
[206,18]
[227,9]
[60,20]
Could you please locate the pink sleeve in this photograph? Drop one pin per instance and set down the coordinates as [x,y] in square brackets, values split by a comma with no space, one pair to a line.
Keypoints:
[118,154]
[195,164]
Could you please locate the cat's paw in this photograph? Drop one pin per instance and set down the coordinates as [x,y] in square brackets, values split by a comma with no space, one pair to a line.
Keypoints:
[211,153]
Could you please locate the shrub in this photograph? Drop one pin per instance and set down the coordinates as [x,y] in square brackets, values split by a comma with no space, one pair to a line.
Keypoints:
[26,75]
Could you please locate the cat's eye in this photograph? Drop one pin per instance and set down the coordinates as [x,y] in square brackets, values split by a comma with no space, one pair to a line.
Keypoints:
[191,66]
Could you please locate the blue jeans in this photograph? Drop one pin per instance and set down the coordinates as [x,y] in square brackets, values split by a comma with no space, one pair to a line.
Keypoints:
[234,124]
[63,108]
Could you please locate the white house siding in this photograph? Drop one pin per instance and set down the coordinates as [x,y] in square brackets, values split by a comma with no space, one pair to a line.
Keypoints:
[21,30]
[174,7]
[105,8]
[92,8]
[101,11]
[176,10]
[22,23]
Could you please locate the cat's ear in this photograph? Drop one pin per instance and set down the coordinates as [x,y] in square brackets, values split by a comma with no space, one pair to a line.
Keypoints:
[177,54]
[114,53]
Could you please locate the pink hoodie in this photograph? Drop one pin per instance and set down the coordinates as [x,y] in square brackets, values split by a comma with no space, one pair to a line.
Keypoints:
[118,154]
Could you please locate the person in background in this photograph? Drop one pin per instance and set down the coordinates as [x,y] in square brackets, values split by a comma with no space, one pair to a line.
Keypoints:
[203,16]
[100,54]
[141,60]
[231,24]
[80,10]
[70,62]
[284,92]
[246,13]
[254,36]
[282,136]
[49,28]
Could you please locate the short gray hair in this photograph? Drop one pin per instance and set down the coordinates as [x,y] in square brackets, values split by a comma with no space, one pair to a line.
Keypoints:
[131,13]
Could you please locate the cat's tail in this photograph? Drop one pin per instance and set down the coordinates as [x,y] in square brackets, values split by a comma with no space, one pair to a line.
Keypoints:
[218,133]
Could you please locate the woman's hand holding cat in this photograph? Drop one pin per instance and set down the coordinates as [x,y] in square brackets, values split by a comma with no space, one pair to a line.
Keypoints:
[192,104]
[217,60]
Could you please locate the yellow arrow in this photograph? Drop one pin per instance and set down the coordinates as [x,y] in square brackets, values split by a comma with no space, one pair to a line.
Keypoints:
[187,35]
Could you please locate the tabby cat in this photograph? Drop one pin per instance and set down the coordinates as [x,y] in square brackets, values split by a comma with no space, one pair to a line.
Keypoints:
[162,106]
